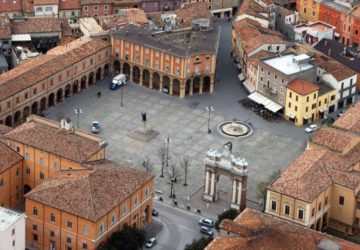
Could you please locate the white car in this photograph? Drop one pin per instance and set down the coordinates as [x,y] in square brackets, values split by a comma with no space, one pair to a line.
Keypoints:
[95,127]
[150,243]
[311,128]
[206,222]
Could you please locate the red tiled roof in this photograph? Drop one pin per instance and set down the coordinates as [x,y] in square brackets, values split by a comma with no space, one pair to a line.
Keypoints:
[302,87]
[10,6]
[27,6]
[46,2]
[252,8]
[36,25]
[69,5]
[350,120]
[5,28]
[8,157]
[264,231]
[92,193]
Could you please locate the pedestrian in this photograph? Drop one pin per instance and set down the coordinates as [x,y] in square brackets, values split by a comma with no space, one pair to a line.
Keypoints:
[99,94]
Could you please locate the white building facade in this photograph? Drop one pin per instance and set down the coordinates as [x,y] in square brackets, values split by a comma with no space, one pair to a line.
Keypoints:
[12,230]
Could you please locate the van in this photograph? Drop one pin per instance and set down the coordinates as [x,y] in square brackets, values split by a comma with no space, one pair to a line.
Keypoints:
[117,81]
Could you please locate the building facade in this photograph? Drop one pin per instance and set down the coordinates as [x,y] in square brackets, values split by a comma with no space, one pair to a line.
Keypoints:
[12,230]
[125,198]
[46,8]
[60,75]
[93,8]
[308,9]
[175,63]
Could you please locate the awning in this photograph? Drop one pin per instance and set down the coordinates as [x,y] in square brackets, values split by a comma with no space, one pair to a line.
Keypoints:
[241,77]
[323,109]
[268,104]
[238,65]
[21,38]
[306,117]
[337,34]
[249,86]
[291,115]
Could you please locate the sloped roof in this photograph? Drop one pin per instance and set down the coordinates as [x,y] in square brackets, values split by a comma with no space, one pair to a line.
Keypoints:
[302,87]
[91,193]
[69,5]
[8,157]
[36,25]
[5,28]
[350,120]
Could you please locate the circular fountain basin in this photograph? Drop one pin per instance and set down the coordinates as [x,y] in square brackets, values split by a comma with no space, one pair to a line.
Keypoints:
[235,129]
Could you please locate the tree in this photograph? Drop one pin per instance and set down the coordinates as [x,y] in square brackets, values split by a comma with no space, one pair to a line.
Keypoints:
[162,153]
[147,165]
[172,173]
[228,214]
[185,165]
[129,238]
[261,186]
[199,244]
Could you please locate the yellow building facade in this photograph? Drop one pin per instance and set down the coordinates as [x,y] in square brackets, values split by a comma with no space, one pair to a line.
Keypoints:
[308,9]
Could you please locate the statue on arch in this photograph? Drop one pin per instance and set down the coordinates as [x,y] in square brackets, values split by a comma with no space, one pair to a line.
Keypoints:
[227,149]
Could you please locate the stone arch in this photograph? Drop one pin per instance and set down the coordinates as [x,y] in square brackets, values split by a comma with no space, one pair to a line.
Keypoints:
[325,220]
[156,81]
[67,91]
[136,74]
[27,189]
[166,84]
[8,121]
[35,108]
[59,95]
[196,85]
[1,122]
[17,118]
[75,87]
[318,225]
[91,78]
[187,87]
[206,84]
[51,100]
[176,87]
[126,70]
[42,104]
[147,213]
[98,74]
[116,67]
[83,82]
[26,113]
[146,77]
[106,69]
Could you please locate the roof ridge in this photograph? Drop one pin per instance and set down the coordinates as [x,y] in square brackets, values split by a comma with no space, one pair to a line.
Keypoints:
[91,197]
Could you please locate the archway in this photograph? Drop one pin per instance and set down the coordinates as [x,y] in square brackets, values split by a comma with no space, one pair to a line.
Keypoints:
[206,84]
[67,91]
[196,85]
[166,85]
[136,74]
[91,78]
[126,70]
[187,87]
[116,67]
[325,219]
[26,113]
[43,104]
[17,118]
[75,86]
[156,81]
[27,189]
[51,100]
[98,74]
[34,108]
[318,225]
[176,87]
[106,69]
[59,95]
[8,121]
[83,82]
[146,78]
[1,122]
[147,214]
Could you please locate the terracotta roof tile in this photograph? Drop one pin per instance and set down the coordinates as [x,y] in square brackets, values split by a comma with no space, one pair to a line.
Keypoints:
[54,140]
[252,8]
[270,232]
[302,87]
[350,120]
[87,2]
[193,11]
[69,5]
[46,2]
[92,193]
[5,28]
[122,18]
[36,25]
[10,5]
[4,129]
[27,6]
[8,157]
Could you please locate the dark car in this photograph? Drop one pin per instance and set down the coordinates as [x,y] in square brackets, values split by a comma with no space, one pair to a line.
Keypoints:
[155,212]
[329,120]
[207,231]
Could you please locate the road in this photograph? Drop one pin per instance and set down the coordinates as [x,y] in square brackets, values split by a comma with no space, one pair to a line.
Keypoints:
[179,227]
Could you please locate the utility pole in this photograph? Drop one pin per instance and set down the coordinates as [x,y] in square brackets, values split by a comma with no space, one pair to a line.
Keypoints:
[209,109]
[78,111]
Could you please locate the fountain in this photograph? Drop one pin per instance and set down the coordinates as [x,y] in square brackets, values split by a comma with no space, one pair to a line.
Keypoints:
[235,129]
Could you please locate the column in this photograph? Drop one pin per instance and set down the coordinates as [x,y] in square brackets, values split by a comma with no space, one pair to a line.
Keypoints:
[141,78]
[121,69]
[171,88]
[79,86]
[160,84]
[201,85]
[239,193]
[207,182]
[212,184]
[211,84]
[234,192]
[151,81]
[182,92]
[191,88]
[131,75]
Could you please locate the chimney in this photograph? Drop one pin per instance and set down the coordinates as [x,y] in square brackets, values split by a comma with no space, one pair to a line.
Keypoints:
[66,124]
[329,52]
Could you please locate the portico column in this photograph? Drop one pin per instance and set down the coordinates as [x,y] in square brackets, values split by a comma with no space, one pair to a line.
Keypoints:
[121,68]
[131,75]
[171,88]
[234,192]
[191,88]
[182,92]
[239,193]
[79,86]
[201,85]
[212,184]
[141,79]
[160,84]
[151,81]
[207,182]
[212,85]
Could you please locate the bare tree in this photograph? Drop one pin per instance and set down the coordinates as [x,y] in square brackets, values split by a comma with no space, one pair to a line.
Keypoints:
[185,165]
[162,153]
[147,165]
[172,173]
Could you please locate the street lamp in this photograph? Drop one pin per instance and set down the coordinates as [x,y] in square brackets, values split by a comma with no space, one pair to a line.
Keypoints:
[121,95]
[209,109]
[167,141]
[78,111]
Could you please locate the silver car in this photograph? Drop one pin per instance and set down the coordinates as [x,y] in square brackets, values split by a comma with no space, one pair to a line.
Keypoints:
[95,127]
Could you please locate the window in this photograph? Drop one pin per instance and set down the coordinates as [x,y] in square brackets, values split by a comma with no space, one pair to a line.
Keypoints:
[52,217]
[52,234]
[17,172]
[313,106]
[326,200]
[332,97]
[56,166]
[48,9]
[313,212]
[85,230]
[34,92]
[304,10]
[13,243]
[41,161]
[42,176]
[124,209]
[296,98]
[69,224]
[289,104]
[101,228]
[34,227]
[13,231]
[68,240]
[136,201]
[319,207]
[300,214]
[290,94]
[59,77]
[17,99]
[35,211]
[39,9]
[307,99]
[85,246]
[319,103]
[35,237]
[95,7]
[113,218]
[358,204]
[295,108]
[341,200]
[27,171]
[273,205]
[147,191]
[287,209]
[105,7]
[307,109]
[314,95]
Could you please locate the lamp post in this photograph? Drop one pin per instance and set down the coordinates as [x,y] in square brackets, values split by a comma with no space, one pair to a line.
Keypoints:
[167,141]
[121,96]
[78,111]
[209,109]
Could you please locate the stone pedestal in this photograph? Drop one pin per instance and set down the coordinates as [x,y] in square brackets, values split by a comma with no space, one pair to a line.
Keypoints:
[143,133]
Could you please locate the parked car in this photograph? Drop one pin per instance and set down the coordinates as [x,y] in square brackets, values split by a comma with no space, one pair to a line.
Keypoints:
[311,128]
[155,212]
[150,243]
[206,222]
[328,120]
[117,81]
[95,127]
[207,231]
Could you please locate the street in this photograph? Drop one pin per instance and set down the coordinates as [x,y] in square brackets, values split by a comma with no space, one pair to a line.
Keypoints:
[179,227]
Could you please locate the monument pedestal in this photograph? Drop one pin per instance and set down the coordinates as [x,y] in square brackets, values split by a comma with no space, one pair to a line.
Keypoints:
[143,133]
